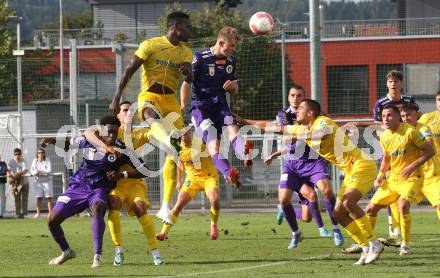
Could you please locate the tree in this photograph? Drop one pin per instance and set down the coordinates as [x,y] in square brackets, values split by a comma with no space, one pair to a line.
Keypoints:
[259,59]
[6,65]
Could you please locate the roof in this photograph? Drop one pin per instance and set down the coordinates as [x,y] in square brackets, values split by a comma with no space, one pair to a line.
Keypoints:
[102,2]
[89,61]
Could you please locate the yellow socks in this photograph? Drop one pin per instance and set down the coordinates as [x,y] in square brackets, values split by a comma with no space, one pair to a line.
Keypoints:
[395,214]
[170,179]
[149,230]
[405,225]
[365,227]
[356,234]
[372,221]
[114,225]
[215,213]
[438,214]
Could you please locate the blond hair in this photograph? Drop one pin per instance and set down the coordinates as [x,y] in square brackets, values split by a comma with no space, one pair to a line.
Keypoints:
[228,34]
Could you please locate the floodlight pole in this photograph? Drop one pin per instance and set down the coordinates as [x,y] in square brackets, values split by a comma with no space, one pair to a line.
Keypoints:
[315,51]
[19,53]
[61,52]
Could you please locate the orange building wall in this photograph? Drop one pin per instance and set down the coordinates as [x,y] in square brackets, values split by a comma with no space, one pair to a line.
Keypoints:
[361,52]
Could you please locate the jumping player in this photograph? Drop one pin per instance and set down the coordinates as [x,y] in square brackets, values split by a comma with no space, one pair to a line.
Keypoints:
[215,73]
[162,59]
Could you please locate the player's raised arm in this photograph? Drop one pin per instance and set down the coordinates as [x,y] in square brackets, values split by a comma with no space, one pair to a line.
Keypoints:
[274,155]
[134,65]
[91,135]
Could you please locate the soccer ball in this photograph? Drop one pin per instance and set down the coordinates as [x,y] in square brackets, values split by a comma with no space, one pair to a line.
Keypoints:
[261,23]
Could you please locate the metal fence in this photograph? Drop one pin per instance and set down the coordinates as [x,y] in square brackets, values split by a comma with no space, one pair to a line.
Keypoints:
[353,78]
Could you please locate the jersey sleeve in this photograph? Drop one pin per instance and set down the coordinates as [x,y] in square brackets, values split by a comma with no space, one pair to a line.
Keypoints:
[79,142]
[426,131]
[377,117]
[424,119]
[281,118]
[144,50]
[196,64]
[187,55]
[417,137]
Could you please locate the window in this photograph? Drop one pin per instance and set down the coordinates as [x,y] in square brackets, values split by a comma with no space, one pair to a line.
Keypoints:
[381,71]
[348,90]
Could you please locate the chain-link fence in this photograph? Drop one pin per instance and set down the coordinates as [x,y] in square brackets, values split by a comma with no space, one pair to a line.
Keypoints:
[353,66]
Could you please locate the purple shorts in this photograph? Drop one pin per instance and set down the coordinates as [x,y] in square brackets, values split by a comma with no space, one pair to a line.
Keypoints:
[298,172]
[76,200]
[209,120]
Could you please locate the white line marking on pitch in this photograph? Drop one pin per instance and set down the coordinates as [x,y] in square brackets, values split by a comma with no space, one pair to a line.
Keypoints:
[431,239]
[249,267]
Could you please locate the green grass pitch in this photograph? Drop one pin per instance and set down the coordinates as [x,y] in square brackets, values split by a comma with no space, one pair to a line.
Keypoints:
[250,245]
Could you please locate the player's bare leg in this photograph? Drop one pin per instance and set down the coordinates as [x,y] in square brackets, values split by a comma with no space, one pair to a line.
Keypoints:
[182,200]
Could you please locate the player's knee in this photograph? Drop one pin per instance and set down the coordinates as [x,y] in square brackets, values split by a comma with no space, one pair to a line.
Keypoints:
[284,202]
[140,208]
[99,208]
[114,203]
[149,113]
[348,204]
[404,206]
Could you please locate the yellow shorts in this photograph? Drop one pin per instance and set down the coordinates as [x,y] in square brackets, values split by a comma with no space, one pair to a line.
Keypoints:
[430,190]
[194,185]
[164,104]
[360,177]
[390,191]
[129,193]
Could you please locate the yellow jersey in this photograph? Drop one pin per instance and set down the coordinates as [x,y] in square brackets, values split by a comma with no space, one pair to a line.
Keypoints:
[403,146]
[162,61]
[432,120]
[139,138]
[190,156]
[431,167]
[334,147]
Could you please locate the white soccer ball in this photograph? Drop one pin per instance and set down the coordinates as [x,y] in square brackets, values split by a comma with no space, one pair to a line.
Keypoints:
[261,23]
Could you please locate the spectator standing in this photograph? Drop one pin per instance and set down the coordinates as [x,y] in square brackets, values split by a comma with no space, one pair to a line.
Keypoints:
[20,187]
[41,169]
[3,172]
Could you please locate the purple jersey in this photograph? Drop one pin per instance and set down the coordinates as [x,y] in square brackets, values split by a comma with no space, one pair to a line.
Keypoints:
[380,103]
[95,165]
[210,73]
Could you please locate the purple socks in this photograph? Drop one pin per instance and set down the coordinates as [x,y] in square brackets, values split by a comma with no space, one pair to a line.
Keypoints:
[289,215]
[221,164]
[98,228]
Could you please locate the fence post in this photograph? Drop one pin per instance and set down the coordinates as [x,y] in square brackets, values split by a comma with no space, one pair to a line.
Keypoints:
[117,48]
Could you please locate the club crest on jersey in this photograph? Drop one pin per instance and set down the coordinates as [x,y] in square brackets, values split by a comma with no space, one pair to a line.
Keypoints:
[229,68]
[211,70]
[111,157]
